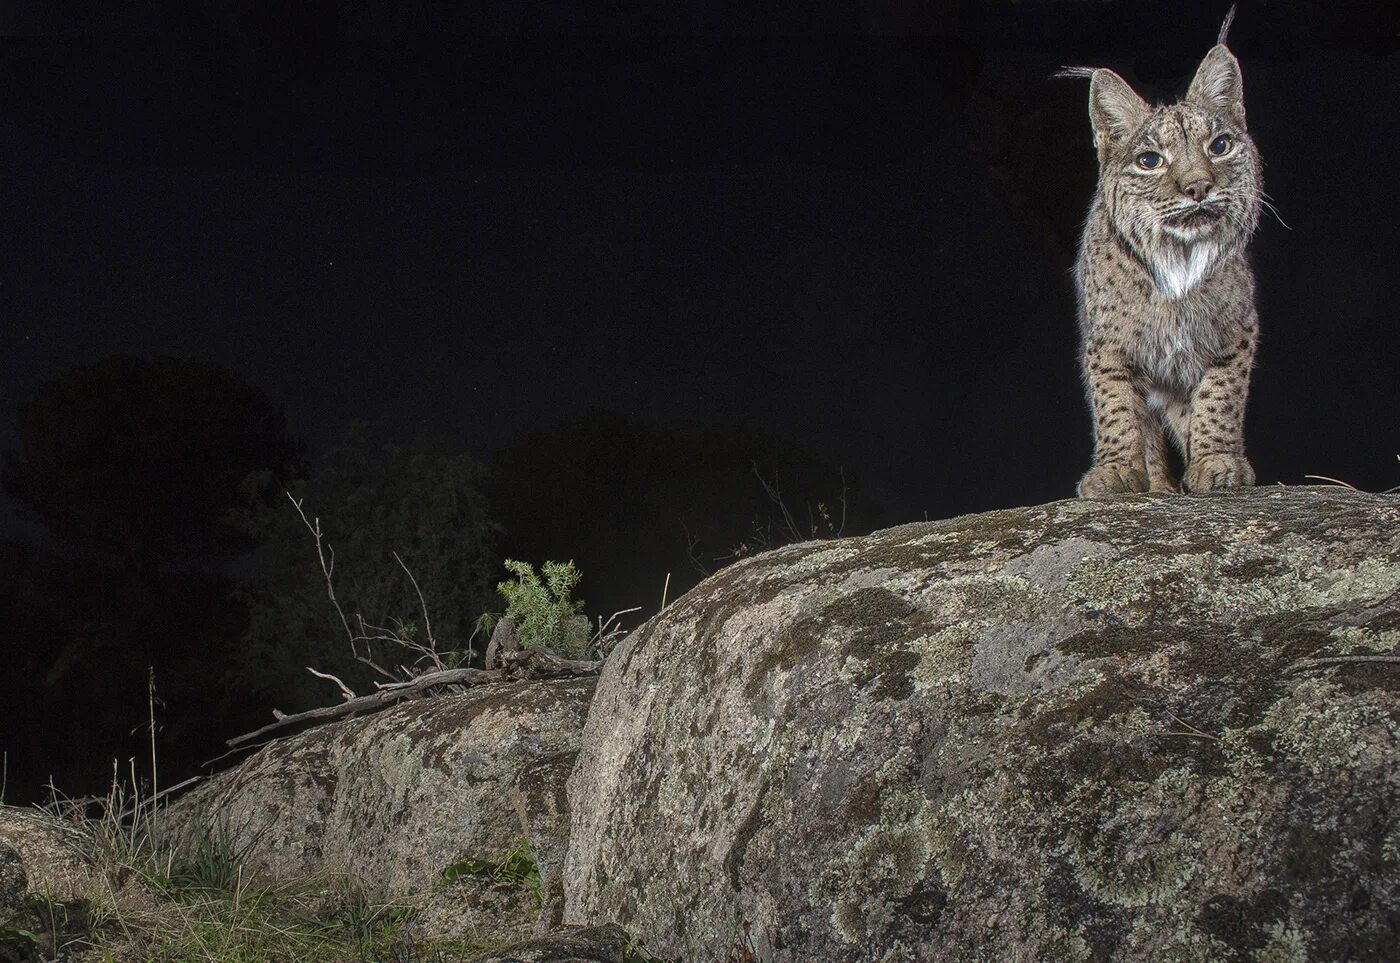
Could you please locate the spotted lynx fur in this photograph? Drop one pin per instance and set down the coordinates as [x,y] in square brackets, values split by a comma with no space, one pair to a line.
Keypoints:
[1166,297]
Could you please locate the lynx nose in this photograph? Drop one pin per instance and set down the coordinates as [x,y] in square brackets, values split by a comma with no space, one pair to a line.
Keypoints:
[1197,189]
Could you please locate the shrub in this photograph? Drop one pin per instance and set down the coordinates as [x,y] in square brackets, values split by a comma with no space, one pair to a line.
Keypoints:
[543,609]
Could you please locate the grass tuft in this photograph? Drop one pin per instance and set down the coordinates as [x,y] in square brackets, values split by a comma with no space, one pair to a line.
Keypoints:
[157,899]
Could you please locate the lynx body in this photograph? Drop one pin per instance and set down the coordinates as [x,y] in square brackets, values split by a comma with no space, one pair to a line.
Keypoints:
[1166,298]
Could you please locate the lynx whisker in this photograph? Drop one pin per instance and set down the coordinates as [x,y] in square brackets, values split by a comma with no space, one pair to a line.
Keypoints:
[1267,204]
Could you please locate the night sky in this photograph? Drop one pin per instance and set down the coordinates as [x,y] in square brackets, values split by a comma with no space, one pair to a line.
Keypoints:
[853,228]
[847,229]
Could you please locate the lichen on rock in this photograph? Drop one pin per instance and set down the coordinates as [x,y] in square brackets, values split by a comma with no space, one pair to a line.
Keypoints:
[394,799]
[598,944]
[1085,730]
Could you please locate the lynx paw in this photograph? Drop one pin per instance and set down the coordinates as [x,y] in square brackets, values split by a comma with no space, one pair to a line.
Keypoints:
[1208,472]
[1111,478]
[1162,483]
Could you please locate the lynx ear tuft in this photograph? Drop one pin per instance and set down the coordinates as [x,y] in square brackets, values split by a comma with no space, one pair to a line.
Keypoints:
[1225,27]
[1115,109]
[1218,85]
[1069,72]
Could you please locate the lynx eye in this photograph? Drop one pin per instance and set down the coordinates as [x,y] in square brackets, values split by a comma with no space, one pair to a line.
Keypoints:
[1220,145]
[1149,160]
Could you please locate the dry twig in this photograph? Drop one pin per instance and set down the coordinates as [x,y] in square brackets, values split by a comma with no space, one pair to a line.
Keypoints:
[345,690]
[431,651]
[522,664]
[610,630]
[775,495]
[1190,729]
[1334,481]
[327,570]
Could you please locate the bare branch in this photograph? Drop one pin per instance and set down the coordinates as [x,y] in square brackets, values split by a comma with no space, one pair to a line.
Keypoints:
[326,567]
[431,651]
[365,658]
[327,570]
[775,495]
[609,631]
[389,635]
[691,543]
[344,689]
[604,624]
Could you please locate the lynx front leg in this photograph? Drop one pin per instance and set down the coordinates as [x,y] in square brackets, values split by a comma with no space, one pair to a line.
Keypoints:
[1216,458]
[1120,459]
[1159,475]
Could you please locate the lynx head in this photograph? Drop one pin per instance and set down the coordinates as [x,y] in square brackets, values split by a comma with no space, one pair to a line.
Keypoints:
[1183,177]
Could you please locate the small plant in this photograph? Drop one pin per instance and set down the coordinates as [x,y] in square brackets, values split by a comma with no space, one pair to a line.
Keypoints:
[518,866]
[17,943]
[543,608]
[217,860]
[366,918]
[122,826]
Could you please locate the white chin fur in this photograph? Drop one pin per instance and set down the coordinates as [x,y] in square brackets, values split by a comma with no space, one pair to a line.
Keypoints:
[1179,262]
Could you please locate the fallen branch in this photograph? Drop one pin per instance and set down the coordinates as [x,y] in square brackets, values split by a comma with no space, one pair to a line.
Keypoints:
[541,664]
[525,664]
[368,703]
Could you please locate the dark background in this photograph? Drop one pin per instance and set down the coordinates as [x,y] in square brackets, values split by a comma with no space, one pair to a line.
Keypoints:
[837,239]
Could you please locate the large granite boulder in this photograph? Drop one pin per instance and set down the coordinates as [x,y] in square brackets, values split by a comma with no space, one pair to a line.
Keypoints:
[1156,728]
[396,798]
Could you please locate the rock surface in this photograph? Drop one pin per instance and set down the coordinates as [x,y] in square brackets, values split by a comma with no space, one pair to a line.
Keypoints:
[396,798]
[1087,730]
[597,944]
[41,856]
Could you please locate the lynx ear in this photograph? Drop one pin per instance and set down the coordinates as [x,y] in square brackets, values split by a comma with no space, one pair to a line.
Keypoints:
[1218,85]
[1114,109]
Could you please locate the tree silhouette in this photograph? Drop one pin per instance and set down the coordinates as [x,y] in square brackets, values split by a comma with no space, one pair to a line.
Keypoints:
[133,466]
[136,462]
[419,500]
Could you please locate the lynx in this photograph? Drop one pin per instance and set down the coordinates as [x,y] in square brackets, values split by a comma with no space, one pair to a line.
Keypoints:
[1167,321]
